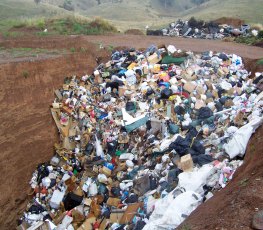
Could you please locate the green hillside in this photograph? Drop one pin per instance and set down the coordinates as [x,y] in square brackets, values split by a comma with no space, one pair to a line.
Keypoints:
[249,10]
[138,14]
[13,9]
[127,14]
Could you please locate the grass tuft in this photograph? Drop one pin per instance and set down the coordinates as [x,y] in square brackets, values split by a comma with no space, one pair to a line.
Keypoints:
[260,62]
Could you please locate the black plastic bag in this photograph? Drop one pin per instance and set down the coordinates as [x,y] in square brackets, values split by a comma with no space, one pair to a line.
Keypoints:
[166,93]
[89,149]
[205,113]
[72,200]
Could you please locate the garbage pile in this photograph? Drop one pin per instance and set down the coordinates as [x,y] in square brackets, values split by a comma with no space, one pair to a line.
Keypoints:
[202,30]
[144,140]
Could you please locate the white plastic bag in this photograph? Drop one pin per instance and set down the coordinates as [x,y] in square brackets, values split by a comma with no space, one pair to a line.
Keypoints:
[99,150]
[169,212]
[93,189]
[238,144]
[194,181]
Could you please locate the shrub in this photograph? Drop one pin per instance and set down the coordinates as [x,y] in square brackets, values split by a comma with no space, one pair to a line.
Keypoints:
[25,74]
[260,34]
[260,62]
[102,25]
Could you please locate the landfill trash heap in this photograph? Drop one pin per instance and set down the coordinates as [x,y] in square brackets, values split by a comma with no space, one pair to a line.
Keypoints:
[144,140]
[202,30]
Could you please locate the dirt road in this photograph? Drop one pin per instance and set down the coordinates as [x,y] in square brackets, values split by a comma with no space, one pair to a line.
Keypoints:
[137,41]
[197,45]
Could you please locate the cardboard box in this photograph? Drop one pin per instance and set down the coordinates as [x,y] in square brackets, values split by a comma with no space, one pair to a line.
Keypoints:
[113,201]
[200,89]
[199,104]
[65,87]
[105,171]
[189,87]
[97,77]
[87,201]
[22,226]
[103,224]
[95,209]
[39,226]
[87,225]
[153,59]
[186,163]
[58,94]
[130,212]
[67,110]
[116,216]
[108,64]
[77,216]
[72,131]
[220,72]
[58,218]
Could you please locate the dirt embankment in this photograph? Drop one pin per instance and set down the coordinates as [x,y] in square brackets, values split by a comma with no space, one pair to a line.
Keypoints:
[27,132]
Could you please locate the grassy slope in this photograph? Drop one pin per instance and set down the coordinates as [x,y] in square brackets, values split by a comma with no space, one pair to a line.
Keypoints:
[249,10]
[26,8]
[138,14]
[13,12]
[134,13]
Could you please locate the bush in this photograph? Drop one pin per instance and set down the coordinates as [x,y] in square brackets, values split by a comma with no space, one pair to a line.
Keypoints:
[260,62]
[19,25]
[40,24]
[250,40]
[260,34]
[25,74]
[102,25]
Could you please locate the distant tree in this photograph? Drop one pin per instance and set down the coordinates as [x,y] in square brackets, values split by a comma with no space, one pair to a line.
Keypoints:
[37,1]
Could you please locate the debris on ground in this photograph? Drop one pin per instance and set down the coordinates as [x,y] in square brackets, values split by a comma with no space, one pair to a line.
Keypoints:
[203,30]
[144,140]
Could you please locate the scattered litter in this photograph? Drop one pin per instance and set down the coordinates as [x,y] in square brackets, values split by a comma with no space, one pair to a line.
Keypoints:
[202,30]
[144,140]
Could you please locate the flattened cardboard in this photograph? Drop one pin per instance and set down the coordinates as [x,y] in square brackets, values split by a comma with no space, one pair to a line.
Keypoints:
[87,225]
[189,87]
[153,59]
[130,213]
[22,226]
[113,201]
[116,216]
[78,217]
[103,224]
[58,94]
[186,163]
[106,171]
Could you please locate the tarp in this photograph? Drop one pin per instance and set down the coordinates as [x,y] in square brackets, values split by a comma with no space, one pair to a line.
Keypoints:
[238,144]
